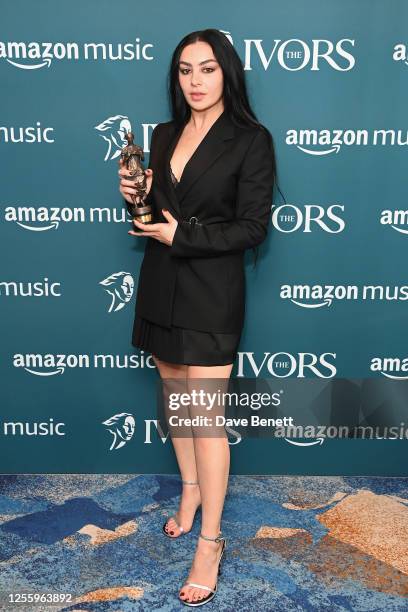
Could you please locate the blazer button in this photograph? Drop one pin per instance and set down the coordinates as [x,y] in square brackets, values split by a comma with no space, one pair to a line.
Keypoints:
[193,221]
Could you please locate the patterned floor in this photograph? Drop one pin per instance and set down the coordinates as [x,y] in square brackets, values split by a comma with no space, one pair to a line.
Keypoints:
[293,543]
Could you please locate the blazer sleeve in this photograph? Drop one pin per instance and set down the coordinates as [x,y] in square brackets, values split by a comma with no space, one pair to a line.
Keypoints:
[254,201]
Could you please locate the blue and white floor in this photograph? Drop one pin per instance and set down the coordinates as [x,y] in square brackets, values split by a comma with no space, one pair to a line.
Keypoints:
[293,543]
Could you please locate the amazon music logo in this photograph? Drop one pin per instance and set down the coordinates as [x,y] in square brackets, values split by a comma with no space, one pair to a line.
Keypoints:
[34,55]
[45,218]
[27,134]
[317,296]
[49,364]
[395,219]
[33,428]
[328,141]
[283,365]
[391,367]
[288,218]
[400,53]
[42,288]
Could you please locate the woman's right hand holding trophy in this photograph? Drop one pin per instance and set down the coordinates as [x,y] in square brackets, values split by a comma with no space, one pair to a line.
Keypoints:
[127,187]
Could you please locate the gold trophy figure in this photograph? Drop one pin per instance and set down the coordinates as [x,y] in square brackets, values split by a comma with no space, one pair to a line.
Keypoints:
[132,155]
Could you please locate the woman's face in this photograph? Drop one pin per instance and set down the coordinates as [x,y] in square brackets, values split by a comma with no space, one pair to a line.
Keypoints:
[200,73]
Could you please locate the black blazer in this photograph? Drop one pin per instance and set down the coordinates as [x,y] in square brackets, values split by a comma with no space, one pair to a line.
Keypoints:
[222,204]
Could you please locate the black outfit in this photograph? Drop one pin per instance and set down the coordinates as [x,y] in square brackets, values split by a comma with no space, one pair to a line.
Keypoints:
[190,301]
[181,345]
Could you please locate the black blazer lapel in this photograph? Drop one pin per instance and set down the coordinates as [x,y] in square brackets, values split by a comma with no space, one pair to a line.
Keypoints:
[214,144]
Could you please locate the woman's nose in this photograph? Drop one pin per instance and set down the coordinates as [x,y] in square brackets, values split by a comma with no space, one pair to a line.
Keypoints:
[195,79]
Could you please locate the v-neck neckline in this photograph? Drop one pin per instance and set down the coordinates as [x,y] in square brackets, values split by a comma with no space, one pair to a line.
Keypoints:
[195,150]
[175,182]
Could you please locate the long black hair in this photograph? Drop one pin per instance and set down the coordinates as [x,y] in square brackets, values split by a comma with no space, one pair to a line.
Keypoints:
[235,96]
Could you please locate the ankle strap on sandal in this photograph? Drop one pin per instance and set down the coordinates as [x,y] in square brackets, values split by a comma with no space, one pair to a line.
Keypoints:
[191,482]
[219,537]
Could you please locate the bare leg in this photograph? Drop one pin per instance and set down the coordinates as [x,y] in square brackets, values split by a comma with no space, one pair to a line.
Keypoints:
[184,449]
[213,462]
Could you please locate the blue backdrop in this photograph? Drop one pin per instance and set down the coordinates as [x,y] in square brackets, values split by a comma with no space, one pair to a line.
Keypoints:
[329,79]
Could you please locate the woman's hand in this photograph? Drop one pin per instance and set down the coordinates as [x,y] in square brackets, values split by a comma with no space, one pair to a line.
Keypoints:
[164,232]
[127,188]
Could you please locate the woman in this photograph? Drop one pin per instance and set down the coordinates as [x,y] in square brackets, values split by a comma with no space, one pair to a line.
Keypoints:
[214,172]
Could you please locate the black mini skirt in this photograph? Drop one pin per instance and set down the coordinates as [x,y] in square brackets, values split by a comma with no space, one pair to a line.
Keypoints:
[185,346]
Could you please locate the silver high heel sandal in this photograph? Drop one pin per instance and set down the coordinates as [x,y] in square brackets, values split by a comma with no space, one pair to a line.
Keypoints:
[212,592]
[181,529]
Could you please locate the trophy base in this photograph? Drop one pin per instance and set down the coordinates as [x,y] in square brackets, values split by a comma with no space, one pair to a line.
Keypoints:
[145,218]
[141,213]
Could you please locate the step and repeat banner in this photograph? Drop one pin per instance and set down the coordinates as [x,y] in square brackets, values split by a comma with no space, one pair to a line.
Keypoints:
[326,314]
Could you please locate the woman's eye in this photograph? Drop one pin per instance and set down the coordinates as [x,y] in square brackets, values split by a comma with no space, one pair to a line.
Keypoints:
[187,70]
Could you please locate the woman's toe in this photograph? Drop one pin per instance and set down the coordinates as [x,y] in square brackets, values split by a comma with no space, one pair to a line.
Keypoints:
[184,594]
[200,594]
[193,595]
[171,527]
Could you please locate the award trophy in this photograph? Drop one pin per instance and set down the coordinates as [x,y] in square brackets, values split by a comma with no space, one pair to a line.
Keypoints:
[132,155]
